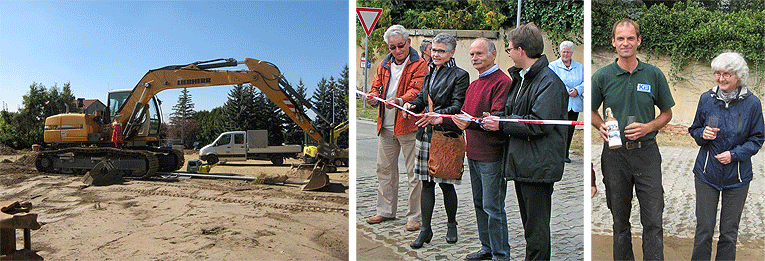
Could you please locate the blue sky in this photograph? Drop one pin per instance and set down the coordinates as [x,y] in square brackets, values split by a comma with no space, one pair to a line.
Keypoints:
[101,46]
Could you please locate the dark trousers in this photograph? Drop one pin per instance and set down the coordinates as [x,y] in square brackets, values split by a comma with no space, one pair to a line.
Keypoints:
[707,198]
[572,116]
[640,169]
[535,201]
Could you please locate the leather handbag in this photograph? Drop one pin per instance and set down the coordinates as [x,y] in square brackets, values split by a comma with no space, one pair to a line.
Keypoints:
[447,153]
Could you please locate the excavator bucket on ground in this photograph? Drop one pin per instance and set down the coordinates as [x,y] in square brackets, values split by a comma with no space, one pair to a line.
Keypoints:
[315,175]
[104,173]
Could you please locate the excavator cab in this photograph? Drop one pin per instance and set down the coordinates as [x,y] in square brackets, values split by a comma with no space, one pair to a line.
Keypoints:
[149,118]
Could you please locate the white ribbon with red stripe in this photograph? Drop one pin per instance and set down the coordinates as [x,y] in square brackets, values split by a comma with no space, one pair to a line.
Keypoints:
[473,118]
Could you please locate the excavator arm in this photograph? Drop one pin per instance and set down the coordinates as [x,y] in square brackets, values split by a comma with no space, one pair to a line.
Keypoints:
[263,75]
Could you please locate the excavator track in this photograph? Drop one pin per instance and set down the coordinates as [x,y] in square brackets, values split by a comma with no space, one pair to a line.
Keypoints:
[136,163]
[169,159]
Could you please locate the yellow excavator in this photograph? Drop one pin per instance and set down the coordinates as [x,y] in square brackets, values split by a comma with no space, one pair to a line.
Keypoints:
[76,142]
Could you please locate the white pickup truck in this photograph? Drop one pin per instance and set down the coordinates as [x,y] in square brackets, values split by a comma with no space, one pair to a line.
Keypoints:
[241,146]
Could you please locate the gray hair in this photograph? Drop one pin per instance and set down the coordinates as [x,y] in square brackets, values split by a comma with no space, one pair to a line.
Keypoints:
[447,39]
[394,30]
[489,44]
[732,61]
[567,44]
[424,45]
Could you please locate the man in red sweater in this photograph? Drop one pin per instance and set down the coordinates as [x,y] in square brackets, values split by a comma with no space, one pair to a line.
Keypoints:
[484,151]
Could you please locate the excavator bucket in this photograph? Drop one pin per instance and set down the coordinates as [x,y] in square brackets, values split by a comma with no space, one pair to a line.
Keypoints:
[315,175]
[104,173]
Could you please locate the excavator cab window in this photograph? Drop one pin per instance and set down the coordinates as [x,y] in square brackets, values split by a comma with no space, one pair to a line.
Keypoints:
[154,120]
[116,99]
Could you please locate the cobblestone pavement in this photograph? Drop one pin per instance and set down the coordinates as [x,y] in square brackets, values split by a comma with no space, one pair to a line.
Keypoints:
[565,224]
[679,199]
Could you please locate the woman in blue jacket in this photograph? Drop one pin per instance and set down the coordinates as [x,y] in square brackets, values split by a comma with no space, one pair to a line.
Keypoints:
[729,128]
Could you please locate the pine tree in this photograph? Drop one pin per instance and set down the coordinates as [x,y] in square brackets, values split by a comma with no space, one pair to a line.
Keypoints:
[293,132]
[238,111]
[322,101]
[180,118]
[341,105]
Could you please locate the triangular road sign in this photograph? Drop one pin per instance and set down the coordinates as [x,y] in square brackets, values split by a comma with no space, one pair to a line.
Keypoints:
[368,17]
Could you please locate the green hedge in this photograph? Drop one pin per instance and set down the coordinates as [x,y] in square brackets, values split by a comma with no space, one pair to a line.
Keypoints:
[563,20]
[688,32]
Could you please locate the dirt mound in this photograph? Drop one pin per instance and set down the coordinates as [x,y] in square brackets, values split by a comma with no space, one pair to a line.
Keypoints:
[5,150]
[26,160]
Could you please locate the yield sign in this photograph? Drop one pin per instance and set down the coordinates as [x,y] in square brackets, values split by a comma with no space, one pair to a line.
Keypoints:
[368,17]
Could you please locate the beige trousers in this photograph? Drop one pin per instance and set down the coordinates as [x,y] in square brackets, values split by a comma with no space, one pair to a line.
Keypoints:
[388,150]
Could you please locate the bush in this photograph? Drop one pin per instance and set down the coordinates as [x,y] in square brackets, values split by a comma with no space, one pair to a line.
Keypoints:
[687,32]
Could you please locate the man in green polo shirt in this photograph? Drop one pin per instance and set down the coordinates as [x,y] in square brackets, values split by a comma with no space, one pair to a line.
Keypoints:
[632,88]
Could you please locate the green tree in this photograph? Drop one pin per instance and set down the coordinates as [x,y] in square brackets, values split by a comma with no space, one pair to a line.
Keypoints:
[181,124]
[210,125]
[238,110]
[293,133]
[22,129]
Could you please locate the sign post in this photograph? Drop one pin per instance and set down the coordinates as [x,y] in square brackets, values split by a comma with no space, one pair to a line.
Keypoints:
[368,17]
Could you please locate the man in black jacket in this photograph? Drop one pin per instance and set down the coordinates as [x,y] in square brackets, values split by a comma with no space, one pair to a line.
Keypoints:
[534,153]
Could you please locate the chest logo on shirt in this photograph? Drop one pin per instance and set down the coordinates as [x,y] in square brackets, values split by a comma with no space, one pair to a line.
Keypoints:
[641,87]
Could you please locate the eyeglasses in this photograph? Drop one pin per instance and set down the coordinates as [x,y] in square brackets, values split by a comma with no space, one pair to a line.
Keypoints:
[724,75]
[511,48]
[439,51]
[400,46]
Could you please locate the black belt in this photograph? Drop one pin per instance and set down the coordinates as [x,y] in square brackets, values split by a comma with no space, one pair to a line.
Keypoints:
[639,144]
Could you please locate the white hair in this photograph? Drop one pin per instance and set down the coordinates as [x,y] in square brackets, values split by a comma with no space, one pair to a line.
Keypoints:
[394,30]
[567,44]
[447,39]
[732,61]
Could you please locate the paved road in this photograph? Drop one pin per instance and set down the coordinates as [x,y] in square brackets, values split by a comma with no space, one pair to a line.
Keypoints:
[566,221]
[679,199]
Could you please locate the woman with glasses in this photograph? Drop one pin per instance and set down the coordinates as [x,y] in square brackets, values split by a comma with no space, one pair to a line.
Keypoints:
[729,128]
[443,92]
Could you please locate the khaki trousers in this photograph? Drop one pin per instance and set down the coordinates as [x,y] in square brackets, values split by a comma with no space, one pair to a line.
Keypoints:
[389,147]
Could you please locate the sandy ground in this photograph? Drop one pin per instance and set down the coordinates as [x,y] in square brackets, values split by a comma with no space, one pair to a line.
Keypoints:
[182,219]
[674,249]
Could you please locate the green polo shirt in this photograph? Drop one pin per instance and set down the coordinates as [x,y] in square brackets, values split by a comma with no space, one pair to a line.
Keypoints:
[633,93]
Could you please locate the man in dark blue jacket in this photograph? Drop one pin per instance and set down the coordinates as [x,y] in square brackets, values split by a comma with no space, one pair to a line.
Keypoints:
[535,153]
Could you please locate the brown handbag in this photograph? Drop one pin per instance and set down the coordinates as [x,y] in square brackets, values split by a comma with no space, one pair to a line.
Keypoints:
[447,153]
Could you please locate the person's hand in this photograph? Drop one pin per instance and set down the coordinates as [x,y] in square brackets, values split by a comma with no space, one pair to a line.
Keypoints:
[636,130]
[710,133]
[603,130]
[490,122]
[460,122]
[388,102]
[371,100]
[724,157]
[594,191]
[573,93]
[430,118]
[407,106]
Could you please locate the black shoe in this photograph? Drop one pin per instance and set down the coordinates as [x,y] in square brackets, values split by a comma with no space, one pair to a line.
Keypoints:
[424,237]
[567,160]
[480,255]
[451,233]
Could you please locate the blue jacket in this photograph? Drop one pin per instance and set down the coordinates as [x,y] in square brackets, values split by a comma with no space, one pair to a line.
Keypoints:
[741,133]
[573,77]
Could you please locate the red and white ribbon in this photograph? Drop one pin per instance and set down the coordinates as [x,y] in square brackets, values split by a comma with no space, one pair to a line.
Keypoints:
[473,118]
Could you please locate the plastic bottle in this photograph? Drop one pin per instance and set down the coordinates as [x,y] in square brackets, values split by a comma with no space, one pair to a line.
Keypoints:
[614,137]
